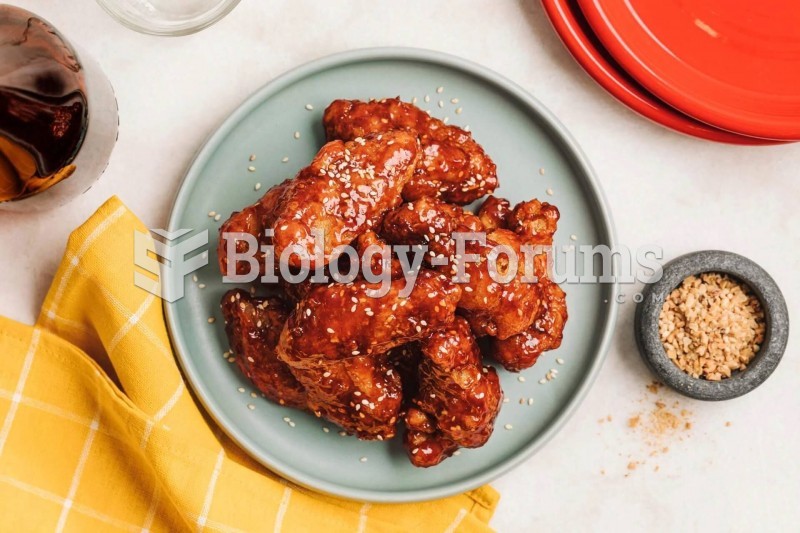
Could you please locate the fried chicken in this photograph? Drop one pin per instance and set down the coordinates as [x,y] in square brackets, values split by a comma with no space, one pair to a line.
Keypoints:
[454,167]
[336,342]
[498,308]
[253,326]
[457,400]
[346,190]
[521,351]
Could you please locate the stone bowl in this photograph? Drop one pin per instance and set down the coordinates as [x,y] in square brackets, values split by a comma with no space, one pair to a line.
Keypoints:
[762,286]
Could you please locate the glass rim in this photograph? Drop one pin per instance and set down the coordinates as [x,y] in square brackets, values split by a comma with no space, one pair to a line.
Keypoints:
[166,29]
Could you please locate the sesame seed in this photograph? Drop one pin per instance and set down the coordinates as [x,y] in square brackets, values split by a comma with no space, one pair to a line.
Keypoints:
[342,433]
[506,400]
[251,168]
[549,192]
[287,419]
[253,395]
[560,361]
[530,401]
[457,452]
[441,103]
[251,406]
[202,285]
[509,427]
[330,330]
[257,186]
[297,135]
[427,98]
[309,107]
[542,381]
[252,157]
[459,110]
[211,320]
[194,278]
[541,171]
[212,214]
[454,100]
[521,379]
[573,237]
[241,389]
[217,218]
[231,359]
[285,160]
[326,430]
[291,424]
[414,100]
[440,90]
[363,459]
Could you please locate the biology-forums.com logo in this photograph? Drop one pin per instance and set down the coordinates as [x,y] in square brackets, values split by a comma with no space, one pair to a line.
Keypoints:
[166,258]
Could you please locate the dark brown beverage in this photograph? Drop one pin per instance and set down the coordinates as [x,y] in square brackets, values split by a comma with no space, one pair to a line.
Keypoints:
[43,105]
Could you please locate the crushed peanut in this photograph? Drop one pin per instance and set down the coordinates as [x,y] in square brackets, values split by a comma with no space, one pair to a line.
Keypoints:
[711,325]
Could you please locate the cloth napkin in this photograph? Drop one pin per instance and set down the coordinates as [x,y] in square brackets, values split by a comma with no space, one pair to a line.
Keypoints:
[99,432]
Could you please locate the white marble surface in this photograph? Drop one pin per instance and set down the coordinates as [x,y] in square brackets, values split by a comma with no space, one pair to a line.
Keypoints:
[681,193]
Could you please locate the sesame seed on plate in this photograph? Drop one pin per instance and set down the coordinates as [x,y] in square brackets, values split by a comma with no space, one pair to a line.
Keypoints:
[509,427]
[194,278]
[363,459]
[212,214]
[414,100]
[457,452]
[231,359]
[211,320]
[257,186]
[560,361]
[309,107]
[251,406]
[549,192]
[217,218]
[241,389]
[326,430]
[530,401]
[297,135]
[506,400]
[454,100]
[459,110]
[252,157]
[427,98]
[441,103]
[440,90]
[521,379]
[573,237]
[542,381]
[342,433]
[285,160]
[287,419]
[202,285]
[292,424]
[251,168]
[541,171]
[253,395]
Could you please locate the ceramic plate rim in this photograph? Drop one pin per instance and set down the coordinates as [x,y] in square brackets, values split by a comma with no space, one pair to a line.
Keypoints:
[557,132]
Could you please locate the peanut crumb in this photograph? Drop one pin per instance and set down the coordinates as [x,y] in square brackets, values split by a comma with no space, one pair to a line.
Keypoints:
[711,326]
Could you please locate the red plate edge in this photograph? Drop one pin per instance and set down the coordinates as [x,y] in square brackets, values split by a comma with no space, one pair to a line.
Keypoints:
[574,32]
[684,101]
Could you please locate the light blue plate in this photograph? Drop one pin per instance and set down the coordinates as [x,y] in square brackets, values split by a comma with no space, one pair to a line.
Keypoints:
[520,135]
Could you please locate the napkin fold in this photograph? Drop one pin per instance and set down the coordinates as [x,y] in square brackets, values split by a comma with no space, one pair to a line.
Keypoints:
[99,432]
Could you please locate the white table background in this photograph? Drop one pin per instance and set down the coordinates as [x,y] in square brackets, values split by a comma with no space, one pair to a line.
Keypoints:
[681,193]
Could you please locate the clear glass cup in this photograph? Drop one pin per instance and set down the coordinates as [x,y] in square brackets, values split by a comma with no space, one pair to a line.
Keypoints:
[168,17]
[58,115]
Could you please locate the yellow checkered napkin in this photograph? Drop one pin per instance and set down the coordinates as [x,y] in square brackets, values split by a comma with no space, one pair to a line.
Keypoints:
[98,431]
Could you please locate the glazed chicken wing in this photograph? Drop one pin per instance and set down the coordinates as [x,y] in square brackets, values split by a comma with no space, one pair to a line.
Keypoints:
[336,342]
[457,400]
[253,326]
[498,308]
[494,213]
[535,223]
[346,190]
[523,350]
[454,167]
